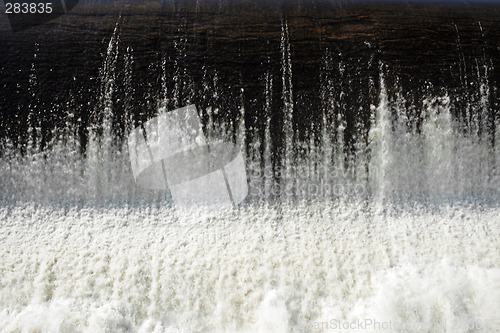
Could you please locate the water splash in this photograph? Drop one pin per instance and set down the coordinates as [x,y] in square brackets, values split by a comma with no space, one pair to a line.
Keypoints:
[287,93]
[329,231]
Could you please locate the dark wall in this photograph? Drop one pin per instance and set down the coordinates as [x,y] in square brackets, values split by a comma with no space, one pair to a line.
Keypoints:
[219,54]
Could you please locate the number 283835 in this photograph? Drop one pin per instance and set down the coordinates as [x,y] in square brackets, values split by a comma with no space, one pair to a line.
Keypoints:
[28,8]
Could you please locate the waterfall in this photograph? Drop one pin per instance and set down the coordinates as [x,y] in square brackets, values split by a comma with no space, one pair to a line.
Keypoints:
[374,186]
[287,93]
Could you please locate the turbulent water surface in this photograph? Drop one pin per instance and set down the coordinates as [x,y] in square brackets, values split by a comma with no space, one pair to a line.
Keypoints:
[373,171]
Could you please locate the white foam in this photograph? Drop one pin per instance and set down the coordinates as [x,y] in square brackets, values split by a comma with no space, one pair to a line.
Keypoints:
[257,269]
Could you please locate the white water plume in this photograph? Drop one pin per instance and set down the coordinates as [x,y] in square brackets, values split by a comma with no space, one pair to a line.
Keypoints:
[402,230]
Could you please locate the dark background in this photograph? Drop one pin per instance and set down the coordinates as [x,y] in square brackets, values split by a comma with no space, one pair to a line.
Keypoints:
[218,53]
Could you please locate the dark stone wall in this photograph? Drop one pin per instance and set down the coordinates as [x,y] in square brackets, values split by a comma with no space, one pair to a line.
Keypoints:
[219,54]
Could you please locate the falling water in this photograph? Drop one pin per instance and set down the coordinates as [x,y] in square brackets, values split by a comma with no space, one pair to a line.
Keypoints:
[288,128]
[330,233]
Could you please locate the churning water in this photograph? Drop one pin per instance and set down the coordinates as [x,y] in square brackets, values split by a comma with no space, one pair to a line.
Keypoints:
[397,232]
